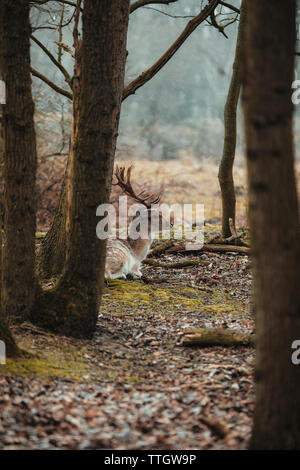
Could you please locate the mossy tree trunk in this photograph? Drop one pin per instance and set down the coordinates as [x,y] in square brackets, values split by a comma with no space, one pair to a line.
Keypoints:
[19,167]
[230,130]
[72,306]
[273,217]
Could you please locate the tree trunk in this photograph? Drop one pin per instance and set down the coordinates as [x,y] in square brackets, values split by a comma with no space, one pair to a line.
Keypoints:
[52,253]
[5,334]
[72,306]
[273,217]
[18,284]
[225,169]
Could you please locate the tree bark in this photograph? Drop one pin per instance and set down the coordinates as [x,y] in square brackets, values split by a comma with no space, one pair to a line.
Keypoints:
[5,334]
[19,146]
[273,216]
[225,169]
[72,306]
[52,252]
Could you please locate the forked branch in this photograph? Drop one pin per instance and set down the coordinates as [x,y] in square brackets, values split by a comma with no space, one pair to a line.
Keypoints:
[142,3]
[53,59]
[138,82]
[51,84]
[146,76]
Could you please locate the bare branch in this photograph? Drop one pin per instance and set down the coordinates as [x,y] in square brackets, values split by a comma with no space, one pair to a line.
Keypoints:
[133,7]
[66,48]
[138,82]
[51,84]
[168,14]
[219,26]
[52,58]
[228,5]
[43,2]
[142,3]
[216,25]
[60,35]
[38,28]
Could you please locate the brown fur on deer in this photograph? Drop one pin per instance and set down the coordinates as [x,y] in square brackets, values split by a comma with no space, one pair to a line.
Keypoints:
[124,257]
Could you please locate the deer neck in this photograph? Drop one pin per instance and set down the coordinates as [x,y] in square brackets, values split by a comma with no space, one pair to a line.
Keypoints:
[140,245]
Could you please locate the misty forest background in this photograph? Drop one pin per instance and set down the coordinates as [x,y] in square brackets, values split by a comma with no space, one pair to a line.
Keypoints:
[179,111]
[195,81]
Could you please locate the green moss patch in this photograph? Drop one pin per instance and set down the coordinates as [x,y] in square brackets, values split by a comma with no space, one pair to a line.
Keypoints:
[55,361]
[134,295]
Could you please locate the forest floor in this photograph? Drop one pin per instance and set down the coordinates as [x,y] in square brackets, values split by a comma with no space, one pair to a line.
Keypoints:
[135,385]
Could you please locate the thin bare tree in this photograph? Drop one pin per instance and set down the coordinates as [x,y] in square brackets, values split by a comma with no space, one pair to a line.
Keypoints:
[230,131]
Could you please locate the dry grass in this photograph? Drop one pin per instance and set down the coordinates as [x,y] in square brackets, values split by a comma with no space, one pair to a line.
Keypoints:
[187,180]
[190,181]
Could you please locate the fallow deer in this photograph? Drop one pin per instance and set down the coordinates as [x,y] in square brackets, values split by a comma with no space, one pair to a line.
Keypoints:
[124,257]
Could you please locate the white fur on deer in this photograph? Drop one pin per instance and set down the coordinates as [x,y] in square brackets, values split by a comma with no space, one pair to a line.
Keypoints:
[122,260]
[124,257]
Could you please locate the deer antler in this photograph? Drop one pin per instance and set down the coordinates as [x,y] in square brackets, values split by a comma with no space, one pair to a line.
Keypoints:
[123,180]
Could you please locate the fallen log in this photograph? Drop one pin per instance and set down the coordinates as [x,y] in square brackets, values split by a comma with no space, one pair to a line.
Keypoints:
[181,248]
[204,337]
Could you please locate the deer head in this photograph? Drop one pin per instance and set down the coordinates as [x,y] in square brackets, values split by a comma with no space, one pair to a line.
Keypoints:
[148,201]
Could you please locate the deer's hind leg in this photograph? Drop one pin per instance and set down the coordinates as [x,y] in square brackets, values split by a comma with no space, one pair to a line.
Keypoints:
[118,261]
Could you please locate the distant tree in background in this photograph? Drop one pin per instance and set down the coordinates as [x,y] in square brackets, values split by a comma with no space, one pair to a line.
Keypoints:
[274,219]
[230,127]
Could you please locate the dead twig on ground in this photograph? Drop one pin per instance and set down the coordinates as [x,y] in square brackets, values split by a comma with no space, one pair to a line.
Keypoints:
[181,248]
